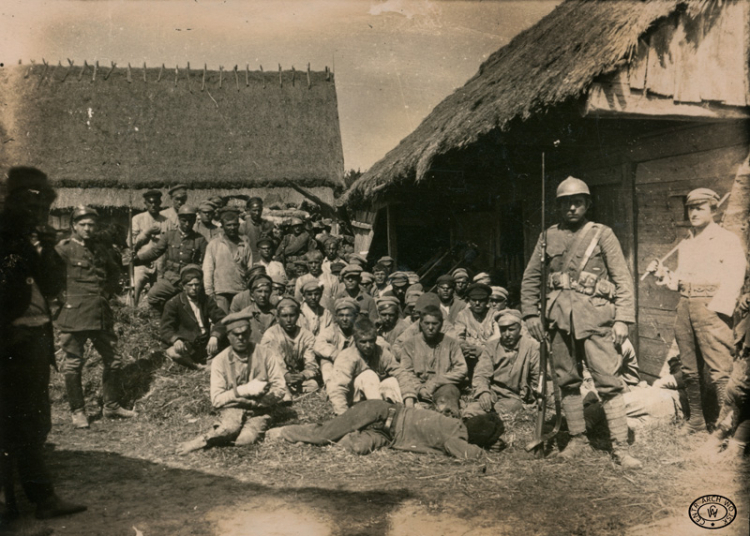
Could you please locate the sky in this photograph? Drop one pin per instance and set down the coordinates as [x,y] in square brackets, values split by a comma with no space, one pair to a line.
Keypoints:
[394,60]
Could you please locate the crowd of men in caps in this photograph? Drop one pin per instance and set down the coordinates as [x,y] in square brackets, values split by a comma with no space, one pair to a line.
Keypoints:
[275,316]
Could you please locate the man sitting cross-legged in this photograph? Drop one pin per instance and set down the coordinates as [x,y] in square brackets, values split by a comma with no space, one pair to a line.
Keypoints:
[191,322]
[247,382]
[293,346]
[507,372]
[433,364]
[374,424]
[366,370]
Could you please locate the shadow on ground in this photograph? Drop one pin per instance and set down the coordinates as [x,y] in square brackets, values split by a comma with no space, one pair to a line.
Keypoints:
[123,494]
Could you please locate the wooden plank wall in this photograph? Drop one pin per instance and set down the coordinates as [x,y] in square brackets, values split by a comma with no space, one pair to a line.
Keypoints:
[661,182]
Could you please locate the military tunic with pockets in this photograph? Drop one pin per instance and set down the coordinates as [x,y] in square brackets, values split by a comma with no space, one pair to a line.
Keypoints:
[91,278]
[583,302]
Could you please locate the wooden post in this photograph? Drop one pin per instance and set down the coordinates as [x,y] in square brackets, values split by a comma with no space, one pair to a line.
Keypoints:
[70,68]
[176,74]
[328,73]
[236,79]
[281,83]
[83,70]
[221,74]
[96,68]
[391,230]
[112,68]
[294,75]
[161,70]
[309,83]
[203,82]
[247,75]
[144,72]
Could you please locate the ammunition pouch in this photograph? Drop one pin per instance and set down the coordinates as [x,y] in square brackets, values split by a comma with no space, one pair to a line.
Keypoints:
[587,283]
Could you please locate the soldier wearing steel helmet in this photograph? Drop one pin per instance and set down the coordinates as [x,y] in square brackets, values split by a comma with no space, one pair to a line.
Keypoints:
[179,247]
[709,276]
[589,307]
[92,278]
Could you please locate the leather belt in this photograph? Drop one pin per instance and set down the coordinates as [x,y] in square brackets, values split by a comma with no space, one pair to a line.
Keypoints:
[390,421]
[697,290]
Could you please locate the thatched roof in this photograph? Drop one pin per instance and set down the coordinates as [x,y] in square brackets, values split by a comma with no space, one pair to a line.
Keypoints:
[117,128]
[548,64]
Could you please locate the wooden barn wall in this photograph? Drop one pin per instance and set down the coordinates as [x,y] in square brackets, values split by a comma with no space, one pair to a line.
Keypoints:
[710,157]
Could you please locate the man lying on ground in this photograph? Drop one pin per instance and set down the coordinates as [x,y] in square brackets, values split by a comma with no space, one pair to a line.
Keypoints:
[366,370]
[374,424]
[191,322]
[247,382]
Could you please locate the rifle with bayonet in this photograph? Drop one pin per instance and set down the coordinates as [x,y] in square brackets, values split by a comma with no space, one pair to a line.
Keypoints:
[545,357]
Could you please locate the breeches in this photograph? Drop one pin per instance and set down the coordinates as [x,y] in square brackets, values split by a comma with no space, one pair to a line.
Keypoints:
[367,386]
[601,359]
[161,292]
[705,341]
[367,417]
[224,300]
[73,343]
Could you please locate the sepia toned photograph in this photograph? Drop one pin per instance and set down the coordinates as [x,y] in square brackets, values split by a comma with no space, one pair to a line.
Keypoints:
[374,267]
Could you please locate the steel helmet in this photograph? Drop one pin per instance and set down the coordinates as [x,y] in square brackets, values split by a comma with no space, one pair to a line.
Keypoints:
[81,212]
[572,186]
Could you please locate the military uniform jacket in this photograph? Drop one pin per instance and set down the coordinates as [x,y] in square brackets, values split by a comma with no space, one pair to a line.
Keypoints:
[604,286]
[179,250]
[91,277]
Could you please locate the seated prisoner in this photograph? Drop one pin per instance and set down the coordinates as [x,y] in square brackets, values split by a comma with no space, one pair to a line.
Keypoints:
[366,370]
[507,373]
[247,382]
[332,340]
[191,322]
[257,301]
[374,424]
[313,316]
[433,364]
[293,346]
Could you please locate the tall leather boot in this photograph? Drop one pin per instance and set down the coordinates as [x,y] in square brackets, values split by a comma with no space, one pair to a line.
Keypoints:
[614,409]
[696,422]
[74,389]
[111,387]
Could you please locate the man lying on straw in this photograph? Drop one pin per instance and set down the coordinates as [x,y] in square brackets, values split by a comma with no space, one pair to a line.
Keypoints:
[374,424]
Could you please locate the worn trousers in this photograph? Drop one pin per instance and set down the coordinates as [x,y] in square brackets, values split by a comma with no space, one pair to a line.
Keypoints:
[359,429]
[504,406]
[241,426]
[600,356]
[161,292]
[26,355]
[705,342]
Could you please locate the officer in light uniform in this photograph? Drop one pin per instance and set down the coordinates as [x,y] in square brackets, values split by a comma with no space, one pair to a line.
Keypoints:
[92,278]
[709,277]
[589,306]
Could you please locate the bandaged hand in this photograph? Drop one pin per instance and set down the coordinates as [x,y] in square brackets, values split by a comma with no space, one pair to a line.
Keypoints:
[252,388]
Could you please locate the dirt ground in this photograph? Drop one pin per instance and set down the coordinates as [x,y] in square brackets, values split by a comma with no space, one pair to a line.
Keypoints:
[134,484]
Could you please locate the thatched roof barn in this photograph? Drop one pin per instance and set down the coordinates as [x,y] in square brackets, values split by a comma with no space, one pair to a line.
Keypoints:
[105,133]
[558,61]
[644,99]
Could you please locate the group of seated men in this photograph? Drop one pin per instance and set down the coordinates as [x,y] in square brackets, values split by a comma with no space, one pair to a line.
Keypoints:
[282,350]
